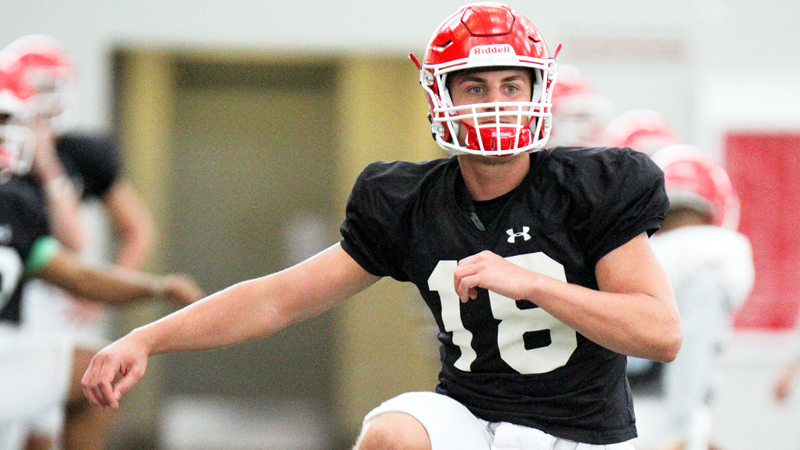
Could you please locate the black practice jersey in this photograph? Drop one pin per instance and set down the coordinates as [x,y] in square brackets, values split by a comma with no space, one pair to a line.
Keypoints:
[22,223]
[509,360]
[92,162]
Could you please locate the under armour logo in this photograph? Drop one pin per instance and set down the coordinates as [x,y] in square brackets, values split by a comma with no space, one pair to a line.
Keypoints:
[512,237]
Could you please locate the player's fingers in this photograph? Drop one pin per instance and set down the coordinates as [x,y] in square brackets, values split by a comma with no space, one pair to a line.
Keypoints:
[467,276]
[105,391]
[465,285]
[90,394]
[88,383]
[98,379]
[102,381]
[132,376]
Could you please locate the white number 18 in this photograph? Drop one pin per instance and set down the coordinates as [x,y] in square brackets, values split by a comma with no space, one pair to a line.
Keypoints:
[514,322]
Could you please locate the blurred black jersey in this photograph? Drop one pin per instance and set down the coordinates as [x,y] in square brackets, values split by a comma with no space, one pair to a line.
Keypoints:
[22,222]
[92,162]
[509,360]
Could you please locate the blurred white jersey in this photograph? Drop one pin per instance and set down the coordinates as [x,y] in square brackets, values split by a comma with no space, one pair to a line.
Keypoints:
[711,270]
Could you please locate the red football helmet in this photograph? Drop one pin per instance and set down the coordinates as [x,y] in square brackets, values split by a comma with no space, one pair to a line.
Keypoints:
[47,76]
[580,114]
[694,180]
[16,140]
[643,130]
[488,35]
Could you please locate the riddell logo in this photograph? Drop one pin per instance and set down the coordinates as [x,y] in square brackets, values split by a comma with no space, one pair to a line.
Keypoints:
[496,49]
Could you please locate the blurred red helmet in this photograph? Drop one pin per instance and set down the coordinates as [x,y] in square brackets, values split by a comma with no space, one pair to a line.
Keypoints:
[16,140]
[47,78]
[694,180]
[580,114]
[643,130]
[488,36]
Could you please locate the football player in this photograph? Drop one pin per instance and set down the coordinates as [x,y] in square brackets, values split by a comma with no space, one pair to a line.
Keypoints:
[38,365]
[536,264]
[644,130]
[710,266]
[71,167]
[580,114]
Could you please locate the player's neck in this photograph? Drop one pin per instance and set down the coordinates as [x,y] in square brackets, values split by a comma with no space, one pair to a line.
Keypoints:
[490,177]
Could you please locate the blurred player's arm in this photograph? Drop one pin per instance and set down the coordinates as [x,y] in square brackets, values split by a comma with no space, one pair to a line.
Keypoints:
[61,198]
[247,310]
[783,386]
[132,224]
[114,284]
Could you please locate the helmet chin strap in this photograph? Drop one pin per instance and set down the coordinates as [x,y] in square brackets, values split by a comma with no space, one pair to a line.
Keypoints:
[494,138]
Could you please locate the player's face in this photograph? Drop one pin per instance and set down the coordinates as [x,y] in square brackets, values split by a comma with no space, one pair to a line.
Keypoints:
[469,88]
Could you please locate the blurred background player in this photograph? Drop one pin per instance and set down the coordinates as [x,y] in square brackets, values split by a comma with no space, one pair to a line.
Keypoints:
[711,269]
[643,130]
[71,166]
[39,365]
[646,131]
[580,114]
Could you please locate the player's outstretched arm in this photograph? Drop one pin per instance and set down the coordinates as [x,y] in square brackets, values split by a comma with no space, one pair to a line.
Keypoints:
[633,313]
[247,310]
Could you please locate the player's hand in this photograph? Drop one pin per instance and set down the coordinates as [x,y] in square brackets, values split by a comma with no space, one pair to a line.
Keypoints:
[113,371]
[489,271]
[783,386]
[181,289]
[782,389]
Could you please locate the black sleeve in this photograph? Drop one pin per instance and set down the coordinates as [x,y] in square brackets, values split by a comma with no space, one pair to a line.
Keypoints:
[625,197]
[372,229]
[25,214]
[94,160]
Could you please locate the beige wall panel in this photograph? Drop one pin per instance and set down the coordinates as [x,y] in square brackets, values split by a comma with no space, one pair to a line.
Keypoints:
[382,332]
[146,104]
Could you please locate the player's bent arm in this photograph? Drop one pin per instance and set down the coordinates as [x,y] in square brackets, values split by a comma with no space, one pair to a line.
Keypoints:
[132,223]
[633,313]
[61,198]
[244,311]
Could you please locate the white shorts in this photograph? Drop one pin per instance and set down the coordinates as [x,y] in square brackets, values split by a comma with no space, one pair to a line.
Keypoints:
[47,308]
[34,374]
[451,426]
[12,435]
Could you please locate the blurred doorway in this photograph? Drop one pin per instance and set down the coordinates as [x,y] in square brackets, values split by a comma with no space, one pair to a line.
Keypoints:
[246,177]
